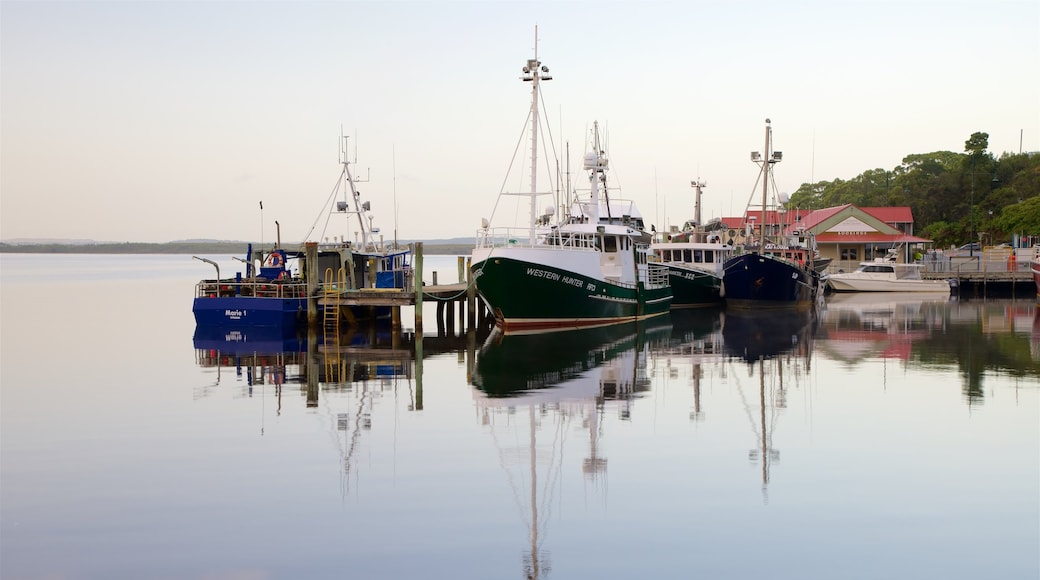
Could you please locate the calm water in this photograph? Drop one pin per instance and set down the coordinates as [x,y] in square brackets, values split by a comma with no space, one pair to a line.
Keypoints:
[890,438]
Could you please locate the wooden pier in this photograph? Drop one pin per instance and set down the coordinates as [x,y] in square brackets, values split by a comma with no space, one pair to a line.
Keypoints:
[348,303]
[982,283]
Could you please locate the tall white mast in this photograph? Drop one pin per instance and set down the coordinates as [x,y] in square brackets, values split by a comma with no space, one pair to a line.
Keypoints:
[765,189]
[767,162]
[534,72]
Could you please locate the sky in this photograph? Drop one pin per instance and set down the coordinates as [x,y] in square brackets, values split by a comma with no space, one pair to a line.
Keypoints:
[163,121]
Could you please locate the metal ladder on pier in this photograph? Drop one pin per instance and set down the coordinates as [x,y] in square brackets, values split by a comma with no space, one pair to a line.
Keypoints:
[334,282]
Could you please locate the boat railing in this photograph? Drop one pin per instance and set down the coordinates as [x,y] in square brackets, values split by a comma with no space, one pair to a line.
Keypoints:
[277,289]
[656,274]
[521,237]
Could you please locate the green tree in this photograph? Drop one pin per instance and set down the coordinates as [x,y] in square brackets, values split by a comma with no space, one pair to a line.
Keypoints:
[1020,218]
[977,144]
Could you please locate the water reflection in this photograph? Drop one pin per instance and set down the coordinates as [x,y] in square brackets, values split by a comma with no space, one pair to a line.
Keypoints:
[544,384]
[757,335]
[934,334]
[257,355]
[857,327]
[562,407]
[777,349]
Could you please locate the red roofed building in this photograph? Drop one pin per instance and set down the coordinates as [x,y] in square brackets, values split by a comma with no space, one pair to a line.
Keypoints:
[846,233]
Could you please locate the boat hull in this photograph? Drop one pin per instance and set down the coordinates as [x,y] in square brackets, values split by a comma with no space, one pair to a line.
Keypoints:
[694,288]
[249,311]
[754,281]
[529,295]
[838,283]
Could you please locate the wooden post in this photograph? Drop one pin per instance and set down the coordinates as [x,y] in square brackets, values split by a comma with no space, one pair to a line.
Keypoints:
[311,274]
[418,290]
[418,369]
[462,266]
[313,367]
[471,296]
[449,319]
[462,314]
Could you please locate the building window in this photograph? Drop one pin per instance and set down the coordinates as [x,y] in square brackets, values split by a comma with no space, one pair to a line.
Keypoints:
[850,254]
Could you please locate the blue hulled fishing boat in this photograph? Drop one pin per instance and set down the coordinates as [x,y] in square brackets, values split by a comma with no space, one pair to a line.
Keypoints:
[775,269]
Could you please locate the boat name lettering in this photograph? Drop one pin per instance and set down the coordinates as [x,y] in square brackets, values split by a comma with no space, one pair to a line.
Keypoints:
[542,274]
[573,281]
[234,314]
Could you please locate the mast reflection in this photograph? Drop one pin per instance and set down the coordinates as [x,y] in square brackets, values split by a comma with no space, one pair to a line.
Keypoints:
[557,379]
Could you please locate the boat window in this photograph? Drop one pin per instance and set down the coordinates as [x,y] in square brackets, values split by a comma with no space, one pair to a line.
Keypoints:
[698,256]
[709,256]
[610,244]
[687,257]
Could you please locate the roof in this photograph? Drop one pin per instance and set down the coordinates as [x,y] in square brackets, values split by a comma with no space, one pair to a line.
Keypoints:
[870,238]
[891,215]
[816,217]
[812,218]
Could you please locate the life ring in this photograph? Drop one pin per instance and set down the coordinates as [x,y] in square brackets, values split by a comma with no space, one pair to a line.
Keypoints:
[274,260]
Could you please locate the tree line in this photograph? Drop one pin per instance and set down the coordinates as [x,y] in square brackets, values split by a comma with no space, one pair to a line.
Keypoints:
[953,196]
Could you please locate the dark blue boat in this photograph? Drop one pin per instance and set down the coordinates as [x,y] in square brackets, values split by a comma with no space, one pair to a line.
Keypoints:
[775,271]
[272,292]
[273,297]
[764,281]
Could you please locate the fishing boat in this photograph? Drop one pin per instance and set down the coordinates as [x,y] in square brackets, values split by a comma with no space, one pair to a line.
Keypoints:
[694,257]
[355,257]
[590,268]
[883,275]
[775,269]
[272,290]
[269,293]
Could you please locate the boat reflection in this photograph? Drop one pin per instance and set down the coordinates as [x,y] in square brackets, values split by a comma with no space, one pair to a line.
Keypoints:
[694,348]
[765,334]
[531,389]
[777,348]
[1034,336]
[257,355]
[860,326]
[341,377]
[315,360]
[569,364]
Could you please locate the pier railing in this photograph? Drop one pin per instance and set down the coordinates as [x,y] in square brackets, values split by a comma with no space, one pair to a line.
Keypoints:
[521,237]
[989,260]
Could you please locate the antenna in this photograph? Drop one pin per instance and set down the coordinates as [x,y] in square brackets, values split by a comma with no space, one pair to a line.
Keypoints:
[393,167]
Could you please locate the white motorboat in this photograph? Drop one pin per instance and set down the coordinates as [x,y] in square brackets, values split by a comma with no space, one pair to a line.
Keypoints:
[886,276]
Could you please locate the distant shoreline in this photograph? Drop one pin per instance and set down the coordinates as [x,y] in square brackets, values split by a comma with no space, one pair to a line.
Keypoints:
[197,248]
